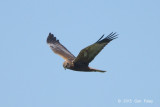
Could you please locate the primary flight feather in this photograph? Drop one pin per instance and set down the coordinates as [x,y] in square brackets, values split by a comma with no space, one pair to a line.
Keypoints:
[86,55]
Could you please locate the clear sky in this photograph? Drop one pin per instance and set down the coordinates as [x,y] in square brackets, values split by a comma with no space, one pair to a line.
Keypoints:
[31,75]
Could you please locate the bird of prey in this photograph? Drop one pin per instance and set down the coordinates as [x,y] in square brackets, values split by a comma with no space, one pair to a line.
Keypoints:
[86,55]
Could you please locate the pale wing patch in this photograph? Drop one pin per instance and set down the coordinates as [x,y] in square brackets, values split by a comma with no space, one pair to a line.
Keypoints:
[60,50]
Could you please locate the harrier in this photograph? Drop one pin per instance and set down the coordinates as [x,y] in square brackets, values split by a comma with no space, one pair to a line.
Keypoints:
[86,55]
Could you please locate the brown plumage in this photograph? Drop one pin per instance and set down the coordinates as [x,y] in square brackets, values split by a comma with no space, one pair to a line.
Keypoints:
[86,55]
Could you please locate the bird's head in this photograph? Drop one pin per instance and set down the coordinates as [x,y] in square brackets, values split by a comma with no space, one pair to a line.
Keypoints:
[66,65]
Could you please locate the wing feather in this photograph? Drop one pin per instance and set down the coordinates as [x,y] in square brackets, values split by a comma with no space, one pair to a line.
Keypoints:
[58,48]
[87,54]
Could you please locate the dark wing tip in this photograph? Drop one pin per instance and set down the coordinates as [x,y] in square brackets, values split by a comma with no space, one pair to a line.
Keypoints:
[51,38]
[110,37]
[100,38]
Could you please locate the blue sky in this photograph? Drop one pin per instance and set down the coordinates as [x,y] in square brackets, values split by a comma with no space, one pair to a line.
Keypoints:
[31,75]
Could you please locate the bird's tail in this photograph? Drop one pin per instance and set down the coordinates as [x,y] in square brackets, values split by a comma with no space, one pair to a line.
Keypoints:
[96,70]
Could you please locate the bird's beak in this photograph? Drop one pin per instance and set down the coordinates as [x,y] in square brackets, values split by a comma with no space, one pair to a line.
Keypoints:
[65,68]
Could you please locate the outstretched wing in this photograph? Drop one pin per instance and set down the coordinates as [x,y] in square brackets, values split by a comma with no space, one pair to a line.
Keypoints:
[87,54]
[58,48]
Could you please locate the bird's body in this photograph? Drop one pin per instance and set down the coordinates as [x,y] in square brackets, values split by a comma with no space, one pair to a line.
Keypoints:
[86,55]
[80,67]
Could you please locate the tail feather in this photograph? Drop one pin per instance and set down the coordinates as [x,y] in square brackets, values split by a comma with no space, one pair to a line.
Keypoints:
[96,70]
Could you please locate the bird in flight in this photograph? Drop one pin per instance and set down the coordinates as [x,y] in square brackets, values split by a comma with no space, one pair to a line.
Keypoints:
[86,55]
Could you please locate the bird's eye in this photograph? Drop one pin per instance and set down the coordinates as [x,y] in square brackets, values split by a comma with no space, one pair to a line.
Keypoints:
[67,64]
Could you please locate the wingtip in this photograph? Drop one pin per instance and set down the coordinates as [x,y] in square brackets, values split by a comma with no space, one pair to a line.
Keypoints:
[51,38]
[50,34]
[100,38]
[112,35]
